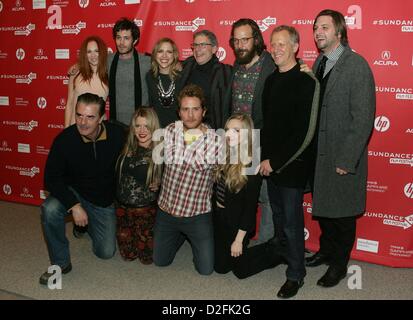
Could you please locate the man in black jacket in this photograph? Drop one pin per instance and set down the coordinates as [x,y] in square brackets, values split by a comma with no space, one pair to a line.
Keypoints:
[79,175]
[205,70]
[290,104]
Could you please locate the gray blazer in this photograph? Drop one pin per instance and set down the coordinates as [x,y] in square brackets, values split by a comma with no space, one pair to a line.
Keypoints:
[346,122]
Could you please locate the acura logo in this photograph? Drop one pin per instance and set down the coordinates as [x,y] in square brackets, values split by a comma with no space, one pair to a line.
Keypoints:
[385,55]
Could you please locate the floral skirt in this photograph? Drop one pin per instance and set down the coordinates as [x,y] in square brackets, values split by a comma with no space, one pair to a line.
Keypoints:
[134,233]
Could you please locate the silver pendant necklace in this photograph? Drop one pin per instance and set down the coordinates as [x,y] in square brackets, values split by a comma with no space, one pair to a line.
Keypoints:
[166,97]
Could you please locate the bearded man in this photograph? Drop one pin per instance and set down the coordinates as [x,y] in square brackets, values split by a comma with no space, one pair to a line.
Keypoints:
[253,64]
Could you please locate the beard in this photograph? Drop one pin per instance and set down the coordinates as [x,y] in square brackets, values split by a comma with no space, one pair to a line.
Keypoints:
[245,56]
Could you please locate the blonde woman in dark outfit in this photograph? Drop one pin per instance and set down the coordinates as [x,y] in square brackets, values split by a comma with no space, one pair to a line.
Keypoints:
[138,183]
[162,80]
[235,206]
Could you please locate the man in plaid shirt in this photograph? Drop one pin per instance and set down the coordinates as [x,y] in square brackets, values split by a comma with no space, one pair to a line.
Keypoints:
[191,153]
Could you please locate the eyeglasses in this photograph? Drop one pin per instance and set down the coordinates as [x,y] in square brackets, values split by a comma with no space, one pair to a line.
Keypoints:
[242,40]
[201,45]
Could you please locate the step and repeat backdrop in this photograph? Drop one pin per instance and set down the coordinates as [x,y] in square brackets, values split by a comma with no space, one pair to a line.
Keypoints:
[40,39]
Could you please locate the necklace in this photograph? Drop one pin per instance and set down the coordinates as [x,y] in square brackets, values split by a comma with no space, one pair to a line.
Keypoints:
[166,97]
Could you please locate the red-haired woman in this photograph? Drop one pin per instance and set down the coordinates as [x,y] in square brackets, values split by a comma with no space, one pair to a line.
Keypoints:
[88,75]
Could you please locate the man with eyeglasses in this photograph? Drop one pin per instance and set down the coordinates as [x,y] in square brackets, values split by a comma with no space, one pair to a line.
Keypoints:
[205,70]
[253,64]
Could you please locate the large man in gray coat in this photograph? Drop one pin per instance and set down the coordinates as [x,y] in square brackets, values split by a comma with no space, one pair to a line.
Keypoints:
[347,107]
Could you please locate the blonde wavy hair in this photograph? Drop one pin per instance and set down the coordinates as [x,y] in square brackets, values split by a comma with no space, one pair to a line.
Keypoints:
[233,174]
[131,146]
[175,63]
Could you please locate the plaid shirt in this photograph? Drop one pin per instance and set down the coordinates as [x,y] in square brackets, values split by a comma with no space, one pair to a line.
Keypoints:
[188,176]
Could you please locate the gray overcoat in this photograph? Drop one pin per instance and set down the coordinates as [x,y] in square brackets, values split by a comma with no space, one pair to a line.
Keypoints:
[346,121]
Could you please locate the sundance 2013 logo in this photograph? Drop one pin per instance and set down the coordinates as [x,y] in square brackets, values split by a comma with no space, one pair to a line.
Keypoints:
[182,25]
[400,93]
[405,25]
[404,222]
[25,31]
[265,23]
[74,29]
[391,219]
[22,125]
[20,31]
[29,172]
[20,78]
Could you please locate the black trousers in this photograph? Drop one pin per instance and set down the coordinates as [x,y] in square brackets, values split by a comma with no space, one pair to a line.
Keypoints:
[337,239]
[288,216]
[253,260]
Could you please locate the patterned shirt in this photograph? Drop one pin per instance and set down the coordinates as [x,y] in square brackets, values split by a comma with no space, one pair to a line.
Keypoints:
[333,57]
[243,86]
[188,175]
[132,191]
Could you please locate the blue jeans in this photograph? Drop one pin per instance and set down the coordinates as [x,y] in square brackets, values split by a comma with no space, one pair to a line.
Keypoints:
[287,205]
[170,233]
[101,228]
[266,229]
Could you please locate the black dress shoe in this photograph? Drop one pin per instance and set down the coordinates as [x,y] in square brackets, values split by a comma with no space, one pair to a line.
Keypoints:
[332,277]
[289,289]
[44,278]
[316,260]
[78,231]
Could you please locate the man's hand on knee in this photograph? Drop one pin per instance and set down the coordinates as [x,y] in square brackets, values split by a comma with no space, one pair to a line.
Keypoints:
[79,215]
